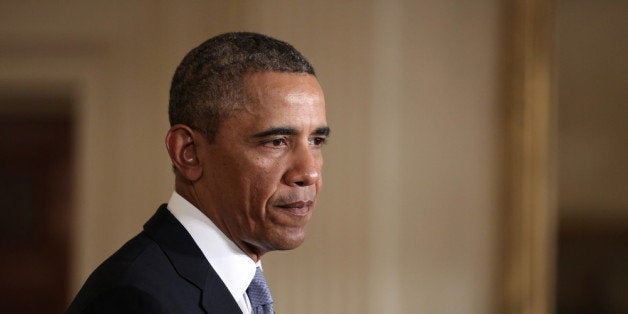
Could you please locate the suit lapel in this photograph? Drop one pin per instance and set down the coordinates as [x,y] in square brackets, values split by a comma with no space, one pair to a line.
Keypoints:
[187,258]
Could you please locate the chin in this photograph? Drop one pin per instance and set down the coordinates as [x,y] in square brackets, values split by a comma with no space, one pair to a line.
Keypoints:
[289,246]
[288,240]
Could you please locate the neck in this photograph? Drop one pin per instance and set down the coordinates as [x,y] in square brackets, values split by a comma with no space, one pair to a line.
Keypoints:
[187,190]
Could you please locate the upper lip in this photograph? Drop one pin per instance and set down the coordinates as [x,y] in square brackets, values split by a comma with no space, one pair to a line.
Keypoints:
[298,204]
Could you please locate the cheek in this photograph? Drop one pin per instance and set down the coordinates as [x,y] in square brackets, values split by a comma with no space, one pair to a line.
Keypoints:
[265,179]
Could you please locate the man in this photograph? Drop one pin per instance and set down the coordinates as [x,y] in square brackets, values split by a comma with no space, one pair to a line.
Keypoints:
[247,124]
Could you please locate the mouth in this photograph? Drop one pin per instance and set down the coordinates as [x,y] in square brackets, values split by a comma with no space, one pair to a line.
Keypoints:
[300,208]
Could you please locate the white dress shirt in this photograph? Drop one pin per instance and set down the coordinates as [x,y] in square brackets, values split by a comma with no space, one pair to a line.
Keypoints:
[235,268]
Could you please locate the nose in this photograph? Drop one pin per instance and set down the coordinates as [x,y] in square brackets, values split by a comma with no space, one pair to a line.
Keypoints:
[305,167]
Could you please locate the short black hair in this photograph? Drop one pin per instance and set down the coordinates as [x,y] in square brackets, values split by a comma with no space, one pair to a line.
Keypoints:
[209,82]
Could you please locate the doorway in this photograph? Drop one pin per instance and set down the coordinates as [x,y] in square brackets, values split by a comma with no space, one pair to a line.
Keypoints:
[35,193]
[592,177]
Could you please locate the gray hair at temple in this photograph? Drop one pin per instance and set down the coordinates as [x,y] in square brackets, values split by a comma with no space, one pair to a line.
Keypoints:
[209,83]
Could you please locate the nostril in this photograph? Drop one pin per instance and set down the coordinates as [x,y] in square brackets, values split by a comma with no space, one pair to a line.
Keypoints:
[300,178]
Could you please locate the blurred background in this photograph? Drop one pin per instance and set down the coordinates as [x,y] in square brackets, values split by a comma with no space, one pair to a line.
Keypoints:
[421,210]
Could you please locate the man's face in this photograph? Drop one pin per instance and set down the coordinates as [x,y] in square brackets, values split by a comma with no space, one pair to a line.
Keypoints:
[262,172]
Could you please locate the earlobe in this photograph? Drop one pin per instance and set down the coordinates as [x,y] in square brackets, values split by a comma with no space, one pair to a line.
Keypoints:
[182,149]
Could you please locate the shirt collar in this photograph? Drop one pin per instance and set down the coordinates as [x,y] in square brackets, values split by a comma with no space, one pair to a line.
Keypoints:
[235,268]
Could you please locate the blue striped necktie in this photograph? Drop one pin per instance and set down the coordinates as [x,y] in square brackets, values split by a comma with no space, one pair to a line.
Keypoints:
[259,294]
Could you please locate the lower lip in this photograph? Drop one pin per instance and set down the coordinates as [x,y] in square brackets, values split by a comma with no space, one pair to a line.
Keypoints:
[297,211]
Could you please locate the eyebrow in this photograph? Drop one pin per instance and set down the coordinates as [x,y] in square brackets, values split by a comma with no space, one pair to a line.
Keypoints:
[322,131]
[289,131]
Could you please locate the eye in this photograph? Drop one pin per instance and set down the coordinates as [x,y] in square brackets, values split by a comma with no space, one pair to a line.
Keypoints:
[278,142]
[318,141]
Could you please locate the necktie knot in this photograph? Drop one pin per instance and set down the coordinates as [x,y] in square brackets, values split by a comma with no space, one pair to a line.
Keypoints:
[259,294]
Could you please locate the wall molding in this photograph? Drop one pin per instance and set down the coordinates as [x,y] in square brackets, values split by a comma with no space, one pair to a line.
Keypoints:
[529,218]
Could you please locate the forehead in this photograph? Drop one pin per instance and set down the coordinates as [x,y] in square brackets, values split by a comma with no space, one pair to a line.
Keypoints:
[298,87]
[273,95]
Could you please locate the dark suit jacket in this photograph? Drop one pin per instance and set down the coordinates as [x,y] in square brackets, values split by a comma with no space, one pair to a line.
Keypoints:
[161,270]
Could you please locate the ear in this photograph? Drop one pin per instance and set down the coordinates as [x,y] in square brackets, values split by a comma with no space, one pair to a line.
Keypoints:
[182,148]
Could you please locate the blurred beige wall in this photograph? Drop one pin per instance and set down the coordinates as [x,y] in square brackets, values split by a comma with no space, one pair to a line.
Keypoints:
[592,76]
[407,222]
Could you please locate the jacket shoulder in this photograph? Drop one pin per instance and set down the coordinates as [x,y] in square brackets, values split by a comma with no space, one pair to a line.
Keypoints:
[139,274]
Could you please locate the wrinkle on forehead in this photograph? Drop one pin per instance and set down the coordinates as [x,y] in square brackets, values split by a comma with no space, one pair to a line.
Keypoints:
[302,98]
[273,89]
